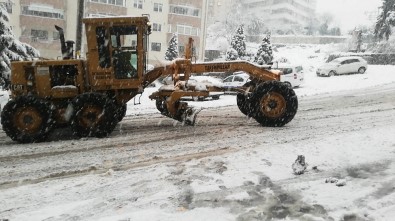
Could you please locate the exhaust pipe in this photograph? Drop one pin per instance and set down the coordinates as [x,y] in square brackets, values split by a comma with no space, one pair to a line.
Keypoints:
[66,46]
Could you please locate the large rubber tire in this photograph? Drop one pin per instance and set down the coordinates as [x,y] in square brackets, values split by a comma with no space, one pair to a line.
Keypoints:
[93,115]
[120,112]
[243,101]
[331,73]
[27,119]
[274,104]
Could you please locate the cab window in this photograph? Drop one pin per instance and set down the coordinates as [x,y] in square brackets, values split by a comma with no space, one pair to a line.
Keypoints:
[102,39]
[124,51]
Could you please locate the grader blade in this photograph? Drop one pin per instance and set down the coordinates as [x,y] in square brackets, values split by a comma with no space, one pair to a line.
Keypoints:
[189,115]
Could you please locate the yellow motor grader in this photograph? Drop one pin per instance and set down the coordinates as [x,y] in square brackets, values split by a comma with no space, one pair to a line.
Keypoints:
[90,95]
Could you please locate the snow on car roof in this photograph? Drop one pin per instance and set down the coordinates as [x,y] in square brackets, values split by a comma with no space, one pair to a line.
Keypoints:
[347,57]
[284,65]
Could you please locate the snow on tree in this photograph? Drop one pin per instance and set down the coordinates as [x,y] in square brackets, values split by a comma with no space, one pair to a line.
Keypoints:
[231,54]
[11,49]
[386,20]
[238,42]
[265,52]
[172,50]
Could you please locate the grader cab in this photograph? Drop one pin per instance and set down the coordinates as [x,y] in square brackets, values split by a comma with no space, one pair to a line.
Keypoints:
[90,95]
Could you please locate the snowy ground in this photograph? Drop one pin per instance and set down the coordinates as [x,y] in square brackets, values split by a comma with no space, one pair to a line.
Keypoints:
[227,167]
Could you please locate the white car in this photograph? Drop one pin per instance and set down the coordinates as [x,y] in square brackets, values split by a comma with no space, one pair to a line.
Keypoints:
[343,65]
[238,79]
[292,75]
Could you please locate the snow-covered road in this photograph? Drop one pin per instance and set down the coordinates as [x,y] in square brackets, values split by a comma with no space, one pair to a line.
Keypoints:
[227,167]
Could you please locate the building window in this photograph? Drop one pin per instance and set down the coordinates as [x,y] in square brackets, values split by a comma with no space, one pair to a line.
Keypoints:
[42,11]
[55,35]
[101,15]
[111,2]
[138,4]
[39,35]
[181,49]
[184,10]
[187,30]
[8,6]
[158,7]
[155,46]
[156,27]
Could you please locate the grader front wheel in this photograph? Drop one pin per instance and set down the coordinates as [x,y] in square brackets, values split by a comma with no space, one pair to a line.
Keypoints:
[275,104]
[27,119]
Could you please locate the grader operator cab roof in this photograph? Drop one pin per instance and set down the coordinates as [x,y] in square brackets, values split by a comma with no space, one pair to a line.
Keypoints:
[116,20]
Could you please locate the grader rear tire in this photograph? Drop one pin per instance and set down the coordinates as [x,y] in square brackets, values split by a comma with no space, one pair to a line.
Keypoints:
[243,101]
[275,104]
[93,115]
[120,112]
[27,119]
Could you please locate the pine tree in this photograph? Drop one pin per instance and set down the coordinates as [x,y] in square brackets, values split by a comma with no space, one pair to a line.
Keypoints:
[238,41]
[172,50]
[11,49]
[265,52]
[231,54]
[385,20]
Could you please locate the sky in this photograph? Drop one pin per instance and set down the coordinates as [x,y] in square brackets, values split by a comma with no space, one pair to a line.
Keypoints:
[349,13]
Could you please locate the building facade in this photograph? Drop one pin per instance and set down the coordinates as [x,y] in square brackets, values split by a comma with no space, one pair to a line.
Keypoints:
[33,22]
[283,15]
[279,16]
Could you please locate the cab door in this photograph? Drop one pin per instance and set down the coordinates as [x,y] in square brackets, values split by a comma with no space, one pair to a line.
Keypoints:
[117,62]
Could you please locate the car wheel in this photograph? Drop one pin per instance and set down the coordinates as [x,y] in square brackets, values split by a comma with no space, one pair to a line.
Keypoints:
[215,97]
[361,70]
[288,84]
[331,73]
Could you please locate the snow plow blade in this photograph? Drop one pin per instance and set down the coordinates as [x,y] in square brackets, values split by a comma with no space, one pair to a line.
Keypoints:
[189,116]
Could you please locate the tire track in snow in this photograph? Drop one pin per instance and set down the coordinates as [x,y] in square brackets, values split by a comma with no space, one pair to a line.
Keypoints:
[147,138]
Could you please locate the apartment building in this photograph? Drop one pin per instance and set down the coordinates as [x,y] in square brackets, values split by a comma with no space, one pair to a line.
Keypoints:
[188,18]
[283,15]
[33,22]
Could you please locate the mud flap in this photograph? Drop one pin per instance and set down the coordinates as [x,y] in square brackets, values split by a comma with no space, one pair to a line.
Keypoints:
[189,115]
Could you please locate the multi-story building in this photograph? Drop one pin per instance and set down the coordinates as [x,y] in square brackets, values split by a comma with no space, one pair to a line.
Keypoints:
[158,12]
[187,18]
[278,15]
[283,15]
[33,22]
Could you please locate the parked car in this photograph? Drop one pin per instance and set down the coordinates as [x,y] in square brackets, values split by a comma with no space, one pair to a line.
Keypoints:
[343,65]
[238,79]
[292,75]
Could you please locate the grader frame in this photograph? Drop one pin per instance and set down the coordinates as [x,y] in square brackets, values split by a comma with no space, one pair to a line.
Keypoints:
[91,95]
